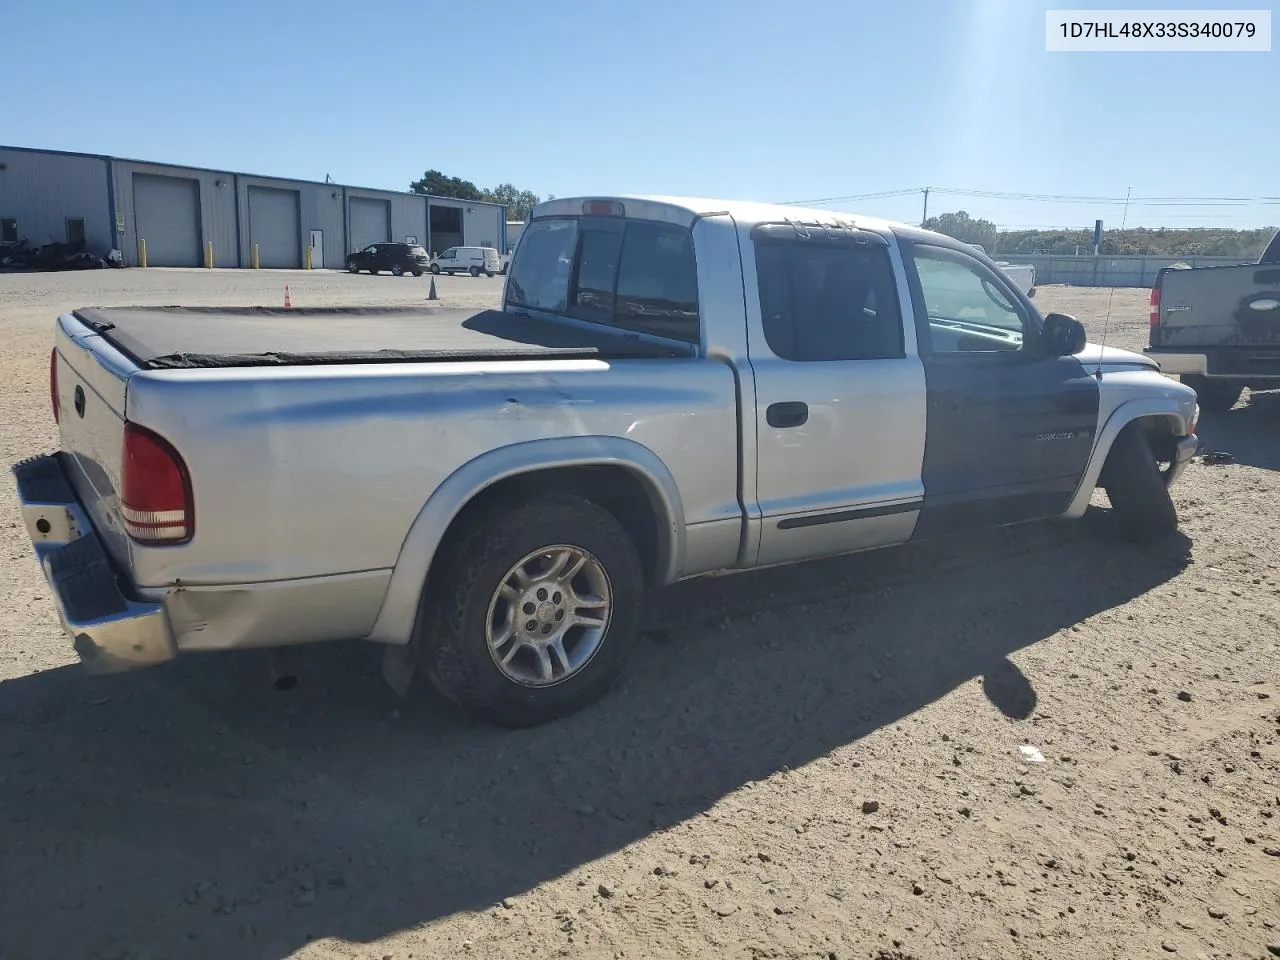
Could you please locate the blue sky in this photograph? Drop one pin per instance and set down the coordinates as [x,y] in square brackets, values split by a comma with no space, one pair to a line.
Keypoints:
[727,98]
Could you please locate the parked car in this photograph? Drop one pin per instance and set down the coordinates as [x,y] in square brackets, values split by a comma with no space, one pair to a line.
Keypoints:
[671,388]
[472,260]
[1218,328]
[396,258]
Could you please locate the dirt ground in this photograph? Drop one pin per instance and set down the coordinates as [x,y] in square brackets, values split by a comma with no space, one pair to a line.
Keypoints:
[820,761]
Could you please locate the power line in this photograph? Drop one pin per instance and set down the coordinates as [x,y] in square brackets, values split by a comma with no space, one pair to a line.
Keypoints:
[1046,198]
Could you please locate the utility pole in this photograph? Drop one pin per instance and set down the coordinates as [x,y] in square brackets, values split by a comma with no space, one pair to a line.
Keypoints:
[925,216]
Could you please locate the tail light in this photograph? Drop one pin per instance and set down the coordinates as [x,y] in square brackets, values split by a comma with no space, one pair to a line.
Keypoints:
[53,386]
[1155,307]
[155,490]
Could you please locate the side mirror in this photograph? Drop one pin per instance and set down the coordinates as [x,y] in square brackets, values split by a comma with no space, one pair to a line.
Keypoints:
[1063,336]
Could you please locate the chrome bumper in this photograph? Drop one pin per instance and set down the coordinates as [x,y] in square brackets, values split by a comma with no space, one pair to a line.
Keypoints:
[110,630]
[1187,447]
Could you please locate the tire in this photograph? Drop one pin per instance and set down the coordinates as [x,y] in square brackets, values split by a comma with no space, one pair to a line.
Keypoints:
[373,272]
[353,267]
[435,268]
[474,271]
[458,611]
[417,273]
[397,270]
[1137,488]
[488,273]
[1215,396]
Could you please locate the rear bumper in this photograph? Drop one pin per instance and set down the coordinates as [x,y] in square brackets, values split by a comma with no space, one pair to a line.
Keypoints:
[110,630]
[1231,363]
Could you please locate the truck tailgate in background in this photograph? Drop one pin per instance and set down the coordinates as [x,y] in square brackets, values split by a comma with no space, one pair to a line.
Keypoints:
[91,382]
[1235,306]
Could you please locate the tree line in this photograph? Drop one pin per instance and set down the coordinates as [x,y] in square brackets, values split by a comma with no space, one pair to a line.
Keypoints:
[519,202]
[1131,241]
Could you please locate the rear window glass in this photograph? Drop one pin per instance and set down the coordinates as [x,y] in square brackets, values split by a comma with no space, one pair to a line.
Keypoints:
[657,288]
[540,275]
[597,274]
[637,275]
[418,251]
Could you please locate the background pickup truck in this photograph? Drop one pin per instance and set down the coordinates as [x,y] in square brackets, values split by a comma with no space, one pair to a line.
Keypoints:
[1218,328]
[672,388]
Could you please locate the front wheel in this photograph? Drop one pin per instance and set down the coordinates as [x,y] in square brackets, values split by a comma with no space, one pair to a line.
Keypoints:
[534,611]
[1137,487]
[435,268]
[474,271]
[417,273]
[1215,396]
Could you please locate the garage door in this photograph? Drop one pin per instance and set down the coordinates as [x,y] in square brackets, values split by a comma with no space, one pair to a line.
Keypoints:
[275,228]
[167,210]
[370,222]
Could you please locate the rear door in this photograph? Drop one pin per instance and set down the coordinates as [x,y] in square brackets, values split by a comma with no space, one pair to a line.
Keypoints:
[1009,431]
[840,394]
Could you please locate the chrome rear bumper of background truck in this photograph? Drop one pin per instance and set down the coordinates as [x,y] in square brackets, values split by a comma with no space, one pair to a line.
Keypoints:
[111,631]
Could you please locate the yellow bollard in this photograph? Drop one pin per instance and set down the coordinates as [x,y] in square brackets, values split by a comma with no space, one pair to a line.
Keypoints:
[310,255]
[142,252]
[208,254]
[255,256]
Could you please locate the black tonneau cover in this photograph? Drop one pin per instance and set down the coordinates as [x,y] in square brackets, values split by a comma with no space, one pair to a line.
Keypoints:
[159,338]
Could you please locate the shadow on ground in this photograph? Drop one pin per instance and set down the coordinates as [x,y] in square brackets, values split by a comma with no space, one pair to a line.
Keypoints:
[195,811]
[1250,432]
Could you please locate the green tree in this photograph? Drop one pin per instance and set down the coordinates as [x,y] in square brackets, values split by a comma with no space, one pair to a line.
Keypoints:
[965,228]
[436,184]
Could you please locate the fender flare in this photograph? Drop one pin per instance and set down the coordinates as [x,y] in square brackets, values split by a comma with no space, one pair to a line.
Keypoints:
[1120,418]
[400,604]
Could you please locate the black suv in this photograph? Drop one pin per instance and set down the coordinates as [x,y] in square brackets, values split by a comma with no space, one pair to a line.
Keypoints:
[398,258]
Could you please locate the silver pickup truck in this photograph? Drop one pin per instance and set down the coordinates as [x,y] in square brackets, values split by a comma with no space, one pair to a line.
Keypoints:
[671,388]
[1218,328]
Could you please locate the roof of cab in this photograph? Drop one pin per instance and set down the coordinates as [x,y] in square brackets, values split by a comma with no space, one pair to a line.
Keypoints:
[744,212]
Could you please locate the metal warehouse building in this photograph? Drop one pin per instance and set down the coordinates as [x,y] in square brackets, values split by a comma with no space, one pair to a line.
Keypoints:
[49,196]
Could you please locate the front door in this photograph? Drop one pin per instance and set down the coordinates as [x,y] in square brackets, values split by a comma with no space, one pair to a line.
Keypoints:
[317,249]
[1009,430]
[839,395]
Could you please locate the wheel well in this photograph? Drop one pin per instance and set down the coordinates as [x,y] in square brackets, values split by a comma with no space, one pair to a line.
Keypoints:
[1162,432]
[617,489]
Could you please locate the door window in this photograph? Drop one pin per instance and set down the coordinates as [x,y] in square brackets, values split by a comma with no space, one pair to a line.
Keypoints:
[968,308]
[828,301]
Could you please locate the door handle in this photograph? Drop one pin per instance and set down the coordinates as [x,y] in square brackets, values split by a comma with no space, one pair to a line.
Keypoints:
[792,413]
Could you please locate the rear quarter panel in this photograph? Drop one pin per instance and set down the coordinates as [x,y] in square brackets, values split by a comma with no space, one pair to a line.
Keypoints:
[313,471]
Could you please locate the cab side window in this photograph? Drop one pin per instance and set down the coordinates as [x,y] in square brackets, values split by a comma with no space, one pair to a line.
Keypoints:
[827,298]
[969,308]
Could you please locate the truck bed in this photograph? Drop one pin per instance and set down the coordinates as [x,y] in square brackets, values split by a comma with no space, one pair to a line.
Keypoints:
[159,338]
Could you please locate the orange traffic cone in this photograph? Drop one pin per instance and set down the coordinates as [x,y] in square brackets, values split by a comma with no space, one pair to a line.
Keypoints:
[288,303]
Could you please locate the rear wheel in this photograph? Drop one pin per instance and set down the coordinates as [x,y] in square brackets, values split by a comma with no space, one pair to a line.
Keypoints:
[397,270]
[417,273]
[1137,486]
[474,271]
[535,610]
[1215,396]
[353,267]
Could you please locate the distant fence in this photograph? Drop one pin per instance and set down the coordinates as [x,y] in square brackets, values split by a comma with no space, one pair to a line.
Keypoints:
[1089,271]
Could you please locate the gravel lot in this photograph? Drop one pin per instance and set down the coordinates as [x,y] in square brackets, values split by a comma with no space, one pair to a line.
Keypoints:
[820,761]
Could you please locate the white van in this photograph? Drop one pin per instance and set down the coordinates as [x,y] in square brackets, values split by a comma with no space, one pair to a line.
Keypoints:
[472,260]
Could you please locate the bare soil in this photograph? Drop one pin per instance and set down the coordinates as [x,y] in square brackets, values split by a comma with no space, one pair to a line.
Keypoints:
[819,761]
